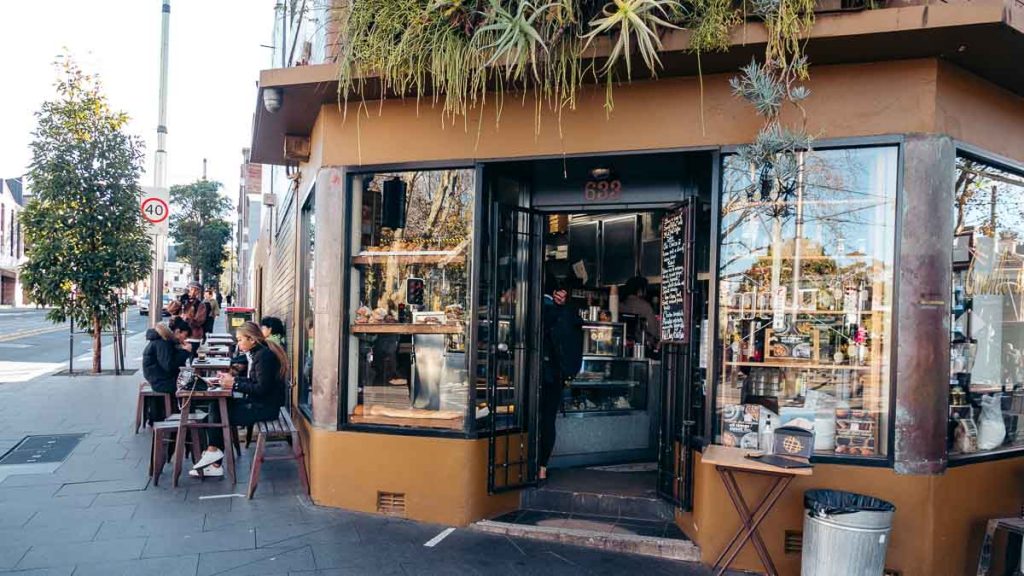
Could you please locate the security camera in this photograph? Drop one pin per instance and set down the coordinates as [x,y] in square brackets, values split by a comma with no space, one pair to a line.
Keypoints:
[272,98]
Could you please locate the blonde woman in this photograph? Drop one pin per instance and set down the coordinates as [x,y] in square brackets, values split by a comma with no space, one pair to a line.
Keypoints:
[264,387]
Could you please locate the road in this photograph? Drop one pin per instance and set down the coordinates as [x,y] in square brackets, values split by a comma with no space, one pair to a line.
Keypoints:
[31,345]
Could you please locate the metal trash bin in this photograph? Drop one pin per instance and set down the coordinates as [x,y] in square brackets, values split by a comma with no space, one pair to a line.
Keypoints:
[845,533]
[236,316]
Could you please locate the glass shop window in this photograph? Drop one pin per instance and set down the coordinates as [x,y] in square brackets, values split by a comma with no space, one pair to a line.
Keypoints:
[308,301]
[986,381]
[805,299]
[412,248]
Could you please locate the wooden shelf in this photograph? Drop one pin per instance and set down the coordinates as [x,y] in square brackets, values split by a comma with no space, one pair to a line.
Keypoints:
[445,424]
[767,315]
[407,257]
[805,365]
[397,328]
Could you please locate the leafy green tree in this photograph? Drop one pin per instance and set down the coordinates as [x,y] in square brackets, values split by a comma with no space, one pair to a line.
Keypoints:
[85,235]
[200,228]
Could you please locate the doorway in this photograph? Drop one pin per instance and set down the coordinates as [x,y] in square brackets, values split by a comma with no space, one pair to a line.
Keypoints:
[625,419]
[606,420]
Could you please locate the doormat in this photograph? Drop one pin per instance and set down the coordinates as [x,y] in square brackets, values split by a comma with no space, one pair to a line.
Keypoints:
[42,449]
[639,467]
[88,372]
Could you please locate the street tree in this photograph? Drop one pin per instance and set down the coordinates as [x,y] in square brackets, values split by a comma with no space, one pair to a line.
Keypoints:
[199,227]
[85,235]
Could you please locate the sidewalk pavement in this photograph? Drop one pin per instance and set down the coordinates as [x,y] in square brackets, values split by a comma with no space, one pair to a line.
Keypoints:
[96,514]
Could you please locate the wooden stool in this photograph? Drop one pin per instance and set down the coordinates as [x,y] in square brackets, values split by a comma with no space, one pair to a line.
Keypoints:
[146,391]
[1009,525]
[282,429]
[164,434]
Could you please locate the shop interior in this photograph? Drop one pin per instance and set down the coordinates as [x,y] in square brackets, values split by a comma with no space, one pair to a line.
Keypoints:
[607,422]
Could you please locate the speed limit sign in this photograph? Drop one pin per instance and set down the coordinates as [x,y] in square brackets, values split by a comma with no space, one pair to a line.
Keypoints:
[156,209]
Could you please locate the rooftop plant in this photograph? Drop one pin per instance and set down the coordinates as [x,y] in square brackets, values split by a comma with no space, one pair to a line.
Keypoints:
[463,52]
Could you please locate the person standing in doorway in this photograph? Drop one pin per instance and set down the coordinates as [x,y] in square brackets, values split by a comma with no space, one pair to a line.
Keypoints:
[563,356]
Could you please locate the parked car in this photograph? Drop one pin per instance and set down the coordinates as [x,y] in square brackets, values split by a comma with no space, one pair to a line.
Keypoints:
[144,305]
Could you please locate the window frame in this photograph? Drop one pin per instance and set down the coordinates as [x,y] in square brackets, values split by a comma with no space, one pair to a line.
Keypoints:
[468,430]
[716,363]
[979,154]
[308,207]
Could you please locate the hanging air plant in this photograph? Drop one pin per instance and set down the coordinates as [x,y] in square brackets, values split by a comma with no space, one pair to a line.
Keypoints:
[517,41]
[637,22]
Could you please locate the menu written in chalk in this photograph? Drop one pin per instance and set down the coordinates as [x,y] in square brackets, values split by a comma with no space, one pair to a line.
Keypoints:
[675,272]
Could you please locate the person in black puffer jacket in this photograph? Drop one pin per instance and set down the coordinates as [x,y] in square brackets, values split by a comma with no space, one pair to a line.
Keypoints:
[264,387]
[162,359]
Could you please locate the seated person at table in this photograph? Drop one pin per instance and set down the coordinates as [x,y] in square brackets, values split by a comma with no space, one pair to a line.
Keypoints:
[263,386]
[273,330]
[162,359]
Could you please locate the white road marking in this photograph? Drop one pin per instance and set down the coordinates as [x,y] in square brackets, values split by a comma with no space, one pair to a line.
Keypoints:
[437,539]
[216,496]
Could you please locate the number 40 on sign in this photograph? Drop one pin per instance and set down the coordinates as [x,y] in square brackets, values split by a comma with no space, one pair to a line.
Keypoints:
[156,209]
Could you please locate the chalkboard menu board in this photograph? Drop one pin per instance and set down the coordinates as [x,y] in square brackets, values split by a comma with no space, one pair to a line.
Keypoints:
[675,275]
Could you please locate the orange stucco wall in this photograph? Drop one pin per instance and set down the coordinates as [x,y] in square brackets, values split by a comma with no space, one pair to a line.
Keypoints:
[937,529]
[979,113]
[854,100]
[444,480]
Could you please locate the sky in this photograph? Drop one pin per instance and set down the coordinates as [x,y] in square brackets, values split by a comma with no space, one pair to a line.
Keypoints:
[215,59]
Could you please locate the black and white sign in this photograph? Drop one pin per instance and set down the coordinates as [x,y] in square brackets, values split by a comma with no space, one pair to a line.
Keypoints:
[156,209]
[676,269]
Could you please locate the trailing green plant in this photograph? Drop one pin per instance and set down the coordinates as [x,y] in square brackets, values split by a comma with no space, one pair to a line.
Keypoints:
[453,49]
[461,51]
[772,84]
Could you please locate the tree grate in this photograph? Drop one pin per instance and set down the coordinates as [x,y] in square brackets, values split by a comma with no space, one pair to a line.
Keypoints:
[42,449]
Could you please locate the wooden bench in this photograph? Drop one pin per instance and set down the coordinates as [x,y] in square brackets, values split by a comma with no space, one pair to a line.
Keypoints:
[146,391]
[282,429]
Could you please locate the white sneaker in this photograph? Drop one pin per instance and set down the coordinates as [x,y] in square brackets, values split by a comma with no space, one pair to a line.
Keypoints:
[211,472]
[209,457]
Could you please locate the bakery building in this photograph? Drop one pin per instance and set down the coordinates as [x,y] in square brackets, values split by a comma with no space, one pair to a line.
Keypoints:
[878,300]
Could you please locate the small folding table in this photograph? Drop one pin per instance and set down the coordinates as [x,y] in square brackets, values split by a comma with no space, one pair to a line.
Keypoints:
[729,461]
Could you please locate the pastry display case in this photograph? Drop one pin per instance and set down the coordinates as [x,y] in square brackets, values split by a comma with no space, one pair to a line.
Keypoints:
[608,385]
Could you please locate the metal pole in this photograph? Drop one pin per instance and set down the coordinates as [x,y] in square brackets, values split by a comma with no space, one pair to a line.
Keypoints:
[71,347]
[156,284]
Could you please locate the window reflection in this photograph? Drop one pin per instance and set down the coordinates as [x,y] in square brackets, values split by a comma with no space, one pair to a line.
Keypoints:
[987,341]
[410,281]
[805,300]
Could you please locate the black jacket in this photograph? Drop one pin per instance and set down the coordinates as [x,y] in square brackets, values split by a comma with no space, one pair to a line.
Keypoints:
[263,383]
[563,341]
[161,361]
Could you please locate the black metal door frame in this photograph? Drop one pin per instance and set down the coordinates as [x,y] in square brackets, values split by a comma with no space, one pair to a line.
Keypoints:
[512,452]
[681,383]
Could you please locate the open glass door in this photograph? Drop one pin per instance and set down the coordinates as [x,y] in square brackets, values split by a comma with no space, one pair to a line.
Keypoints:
[507,339]
[682,374]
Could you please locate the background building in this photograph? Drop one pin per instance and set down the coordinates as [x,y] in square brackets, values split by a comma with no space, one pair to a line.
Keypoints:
[12,246]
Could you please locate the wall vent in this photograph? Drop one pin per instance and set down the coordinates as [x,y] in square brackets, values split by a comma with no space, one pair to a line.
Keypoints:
[794,542]
[391,503]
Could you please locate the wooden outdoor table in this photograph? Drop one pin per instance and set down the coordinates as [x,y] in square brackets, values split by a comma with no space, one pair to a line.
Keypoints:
[729,461]
[221,396]
[211,365]
[217,351]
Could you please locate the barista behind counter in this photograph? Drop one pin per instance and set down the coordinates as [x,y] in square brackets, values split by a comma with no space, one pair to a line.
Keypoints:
[635,302]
